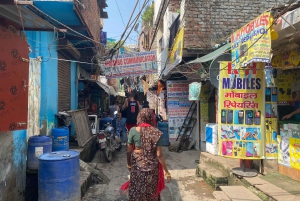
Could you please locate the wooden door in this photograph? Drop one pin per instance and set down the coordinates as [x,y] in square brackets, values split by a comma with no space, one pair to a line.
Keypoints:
[14,69]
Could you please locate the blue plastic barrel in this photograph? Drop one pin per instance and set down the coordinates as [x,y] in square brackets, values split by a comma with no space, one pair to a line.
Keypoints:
[37,145]
[60,139]
[59,176]
[164,128]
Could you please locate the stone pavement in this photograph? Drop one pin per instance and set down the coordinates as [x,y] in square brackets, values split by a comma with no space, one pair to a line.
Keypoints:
[271,190]
[185,186]
[272,186]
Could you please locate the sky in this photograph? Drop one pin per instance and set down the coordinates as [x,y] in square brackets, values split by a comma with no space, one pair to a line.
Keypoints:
[114,25]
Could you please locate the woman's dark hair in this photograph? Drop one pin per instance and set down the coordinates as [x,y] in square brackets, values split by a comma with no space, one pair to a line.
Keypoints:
[145,116]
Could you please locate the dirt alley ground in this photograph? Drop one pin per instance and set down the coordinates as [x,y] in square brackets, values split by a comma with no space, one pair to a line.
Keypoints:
[185,186]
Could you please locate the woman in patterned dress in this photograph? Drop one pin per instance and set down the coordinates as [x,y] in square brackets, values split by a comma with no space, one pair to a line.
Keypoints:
[145,160]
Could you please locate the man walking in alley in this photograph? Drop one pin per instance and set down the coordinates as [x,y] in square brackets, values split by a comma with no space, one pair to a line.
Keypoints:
[133,108]
[111,110]
[114,107]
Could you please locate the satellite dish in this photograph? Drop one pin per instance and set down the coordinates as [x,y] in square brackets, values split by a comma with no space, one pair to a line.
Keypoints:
[214,68]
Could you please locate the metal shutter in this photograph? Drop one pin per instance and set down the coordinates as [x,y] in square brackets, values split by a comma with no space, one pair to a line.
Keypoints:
[64,84]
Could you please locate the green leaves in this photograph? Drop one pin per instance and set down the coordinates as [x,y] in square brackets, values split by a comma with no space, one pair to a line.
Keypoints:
[147,16]
[111,44]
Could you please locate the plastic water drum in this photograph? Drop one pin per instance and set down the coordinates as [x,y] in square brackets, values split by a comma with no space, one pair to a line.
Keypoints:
[60,139]
[164,128]
[59,176]
[37,145]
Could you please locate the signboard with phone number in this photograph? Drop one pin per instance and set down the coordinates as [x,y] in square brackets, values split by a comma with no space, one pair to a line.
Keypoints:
[241,111]
[178,106]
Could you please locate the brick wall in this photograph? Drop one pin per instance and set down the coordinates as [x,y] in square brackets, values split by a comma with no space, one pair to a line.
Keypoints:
[174,5]
[208,22]
[91,16]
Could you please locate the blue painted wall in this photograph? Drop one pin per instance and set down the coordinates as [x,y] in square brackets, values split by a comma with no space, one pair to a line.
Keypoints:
[13,152]
[74,92]
[74,86]
[44,44]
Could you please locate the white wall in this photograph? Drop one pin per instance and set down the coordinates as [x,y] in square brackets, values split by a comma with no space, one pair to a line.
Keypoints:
[164,32]
[156,8]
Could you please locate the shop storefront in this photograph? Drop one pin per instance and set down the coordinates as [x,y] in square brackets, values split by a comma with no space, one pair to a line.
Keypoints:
[243,111]
[259,94]
[285,63]
[94,96]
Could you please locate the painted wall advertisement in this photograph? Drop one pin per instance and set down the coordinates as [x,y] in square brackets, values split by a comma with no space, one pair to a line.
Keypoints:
[241,111]
[178,106]
[124,65]
[252,43]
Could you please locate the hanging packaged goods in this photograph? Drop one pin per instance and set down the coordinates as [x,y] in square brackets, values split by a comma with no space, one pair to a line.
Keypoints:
[289,146]
[288,59]
[241,106]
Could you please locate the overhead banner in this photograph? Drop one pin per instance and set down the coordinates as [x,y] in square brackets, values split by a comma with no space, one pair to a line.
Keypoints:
[175,55]
[125,65]
[178,106]
[252,43]
[241,111]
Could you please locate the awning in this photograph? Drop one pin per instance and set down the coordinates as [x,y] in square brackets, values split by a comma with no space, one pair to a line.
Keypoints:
[122,93]
[31,21]
[112,91]
[212,55]
[108,89]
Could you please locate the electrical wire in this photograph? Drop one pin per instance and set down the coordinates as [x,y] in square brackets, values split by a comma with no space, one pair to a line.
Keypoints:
[65,25]
[127,26]
[135,21]
[172,47]
[132,25]
[159,18]
[274,21]
[120,13]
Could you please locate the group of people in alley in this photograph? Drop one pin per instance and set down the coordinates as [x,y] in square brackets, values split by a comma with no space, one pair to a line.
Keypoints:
[145,158]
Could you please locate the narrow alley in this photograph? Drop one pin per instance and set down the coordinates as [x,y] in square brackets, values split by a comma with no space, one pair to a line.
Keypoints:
[212,84]
[185,186]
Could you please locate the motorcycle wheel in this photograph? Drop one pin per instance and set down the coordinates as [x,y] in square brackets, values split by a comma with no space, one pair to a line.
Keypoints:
[120,147]
[107,154]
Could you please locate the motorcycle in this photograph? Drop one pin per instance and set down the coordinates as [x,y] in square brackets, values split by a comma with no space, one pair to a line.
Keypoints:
[108,141]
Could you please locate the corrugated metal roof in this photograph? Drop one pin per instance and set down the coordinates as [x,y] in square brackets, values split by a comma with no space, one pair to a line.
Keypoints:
[108,89]
[112,91]
[30,19]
